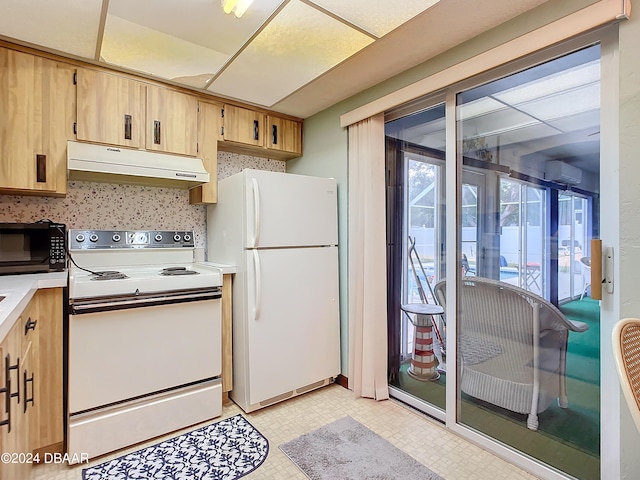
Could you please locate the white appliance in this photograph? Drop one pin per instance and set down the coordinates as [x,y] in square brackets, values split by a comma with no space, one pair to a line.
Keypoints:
[561,172]
[144,338]
[86,161]
[281,232]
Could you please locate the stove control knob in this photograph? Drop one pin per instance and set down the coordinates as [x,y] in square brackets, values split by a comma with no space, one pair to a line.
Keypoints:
[176,238]
[116,237]
[79,238]
[187,237]
[93,237]
[158,237]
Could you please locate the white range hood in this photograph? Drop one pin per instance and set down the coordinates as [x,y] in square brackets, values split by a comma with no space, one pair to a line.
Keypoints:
[102,163]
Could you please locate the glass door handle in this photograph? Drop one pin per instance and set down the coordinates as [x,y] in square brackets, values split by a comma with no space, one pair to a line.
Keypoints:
[596,269]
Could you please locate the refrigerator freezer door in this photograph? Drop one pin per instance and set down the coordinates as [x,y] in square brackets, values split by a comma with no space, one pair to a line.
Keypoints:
[293,330]
[287,210]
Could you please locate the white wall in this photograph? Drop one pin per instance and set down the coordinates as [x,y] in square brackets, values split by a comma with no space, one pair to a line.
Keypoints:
[629,176]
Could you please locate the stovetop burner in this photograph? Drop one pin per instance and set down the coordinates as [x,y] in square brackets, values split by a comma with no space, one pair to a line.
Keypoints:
[144,261]
[108,275]
[170,271]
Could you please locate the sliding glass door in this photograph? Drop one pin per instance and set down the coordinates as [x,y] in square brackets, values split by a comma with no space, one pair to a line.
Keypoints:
[522,237]
[573,246]
[515,357]
[529,364]
[415,163]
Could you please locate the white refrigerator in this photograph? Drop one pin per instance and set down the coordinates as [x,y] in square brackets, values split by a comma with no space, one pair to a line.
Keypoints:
[280,230]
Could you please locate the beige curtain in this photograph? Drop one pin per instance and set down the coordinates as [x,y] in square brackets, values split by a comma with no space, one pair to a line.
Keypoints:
[367,260]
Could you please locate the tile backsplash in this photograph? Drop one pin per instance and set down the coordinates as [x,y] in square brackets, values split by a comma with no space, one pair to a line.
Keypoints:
[106,206]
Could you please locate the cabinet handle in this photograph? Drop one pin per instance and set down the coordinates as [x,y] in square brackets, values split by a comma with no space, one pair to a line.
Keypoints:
[274,134]
[8,368]
[256,130]
[7,394]
[156,132]
[41,168]
[26,398]
[30,325]
[127,127]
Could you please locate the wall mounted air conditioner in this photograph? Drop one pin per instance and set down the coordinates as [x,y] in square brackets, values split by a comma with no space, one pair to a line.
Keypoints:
[560,172]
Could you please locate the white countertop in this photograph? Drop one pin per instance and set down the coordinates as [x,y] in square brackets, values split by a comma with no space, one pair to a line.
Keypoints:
[225,269]
[18,291]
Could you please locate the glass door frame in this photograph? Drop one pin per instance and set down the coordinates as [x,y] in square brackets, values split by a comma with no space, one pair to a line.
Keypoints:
[424,103]
[610,408]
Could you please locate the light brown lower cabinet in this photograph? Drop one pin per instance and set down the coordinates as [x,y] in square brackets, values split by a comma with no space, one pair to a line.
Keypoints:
[14,433]
[31,385]
[47,434]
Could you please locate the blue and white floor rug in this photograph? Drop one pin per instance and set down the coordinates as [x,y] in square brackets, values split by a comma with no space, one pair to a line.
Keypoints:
[226,450]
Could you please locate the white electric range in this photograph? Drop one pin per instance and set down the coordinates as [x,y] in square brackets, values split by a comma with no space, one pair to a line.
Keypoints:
[144,338]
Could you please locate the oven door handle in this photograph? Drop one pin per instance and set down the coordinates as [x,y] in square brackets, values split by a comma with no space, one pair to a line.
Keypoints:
[123,303]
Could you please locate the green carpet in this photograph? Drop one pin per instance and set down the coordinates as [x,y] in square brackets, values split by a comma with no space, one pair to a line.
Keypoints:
[567,439]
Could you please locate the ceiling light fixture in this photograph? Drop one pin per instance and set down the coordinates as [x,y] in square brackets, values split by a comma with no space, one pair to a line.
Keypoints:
[238,7]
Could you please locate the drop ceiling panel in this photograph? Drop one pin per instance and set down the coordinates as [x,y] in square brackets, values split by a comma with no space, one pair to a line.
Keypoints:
[298,45]
[496,122]
[69,26]
[479,107]
[200,22]
[564,103]
[377,17]
[153,52]
[588,121]
[573,78]
[186,42]
[527,133]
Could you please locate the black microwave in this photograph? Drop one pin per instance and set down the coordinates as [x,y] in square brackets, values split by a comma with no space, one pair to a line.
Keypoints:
[32,247]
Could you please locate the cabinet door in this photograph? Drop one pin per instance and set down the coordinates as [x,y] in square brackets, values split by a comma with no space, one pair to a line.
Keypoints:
[172,121]
[110,109]
[209,132]
[47,365]
[243,125]
[14,440]
[36,119]
[284,135]
[29,381]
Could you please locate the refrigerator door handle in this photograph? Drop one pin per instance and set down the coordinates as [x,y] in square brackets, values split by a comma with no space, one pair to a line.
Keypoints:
[258,285]
[256,211]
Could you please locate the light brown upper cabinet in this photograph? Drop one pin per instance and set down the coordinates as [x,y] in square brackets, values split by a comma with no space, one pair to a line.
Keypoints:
[251,132]
[242,125]
[116,110]
[209,133]
[37,112]
[172,121]
[111,109]
[284,135]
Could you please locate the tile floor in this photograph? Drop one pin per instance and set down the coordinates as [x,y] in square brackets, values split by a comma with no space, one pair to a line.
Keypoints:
[425,439]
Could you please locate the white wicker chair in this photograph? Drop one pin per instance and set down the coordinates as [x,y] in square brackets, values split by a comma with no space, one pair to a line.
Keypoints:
[512,345]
